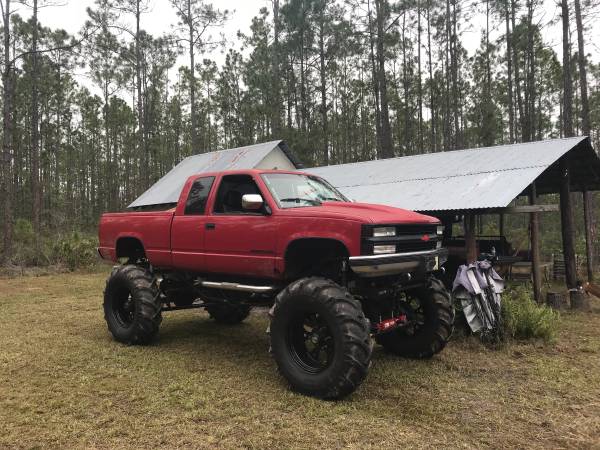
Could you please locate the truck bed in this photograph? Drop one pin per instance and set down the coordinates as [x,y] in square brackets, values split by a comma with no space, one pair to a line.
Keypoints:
[153,228]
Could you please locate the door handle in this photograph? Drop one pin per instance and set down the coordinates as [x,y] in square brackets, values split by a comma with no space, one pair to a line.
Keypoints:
[210,226]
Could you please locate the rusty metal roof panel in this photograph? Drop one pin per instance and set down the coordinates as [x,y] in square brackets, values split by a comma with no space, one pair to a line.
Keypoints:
[168,188]
[489,177]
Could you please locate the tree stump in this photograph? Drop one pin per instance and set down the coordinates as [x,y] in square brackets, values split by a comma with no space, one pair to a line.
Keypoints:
[557,300]
[579,300]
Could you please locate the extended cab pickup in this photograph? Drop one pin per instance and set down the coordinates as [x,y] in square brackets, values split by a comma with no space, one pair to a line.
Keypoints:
[300,220]
[289,240]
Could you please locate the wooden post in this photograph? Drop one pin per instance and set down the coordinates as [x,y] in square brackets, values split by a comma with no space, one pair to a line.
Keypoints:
[534,224]
[470,240]
[589,240]
[501,224]
[567,230]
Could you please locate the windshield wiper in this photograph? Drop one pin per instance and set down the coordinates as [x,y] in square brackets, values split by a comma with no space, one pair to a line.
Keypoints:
[299,199]
[330,199]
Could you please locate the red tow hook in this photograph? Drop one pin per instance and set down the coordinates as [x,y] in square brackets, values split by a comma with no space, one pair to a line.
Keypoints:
[389,324]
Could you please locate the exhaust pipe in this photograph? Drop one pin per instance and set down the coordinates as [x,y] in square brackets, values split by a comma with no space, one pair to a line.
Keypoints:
[237,287]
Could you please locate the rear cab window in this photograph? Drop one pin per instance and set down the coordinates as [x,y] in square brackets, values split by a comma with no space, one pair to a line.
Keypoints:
[195,204]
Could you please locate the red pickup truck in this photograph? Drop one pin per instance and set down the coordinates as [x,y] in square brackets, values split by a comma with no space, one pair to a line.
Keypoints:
[335,273]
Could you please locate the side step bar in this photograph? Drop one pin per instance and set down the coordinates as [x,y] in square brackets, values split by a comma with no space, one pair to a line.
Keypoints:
[237,287]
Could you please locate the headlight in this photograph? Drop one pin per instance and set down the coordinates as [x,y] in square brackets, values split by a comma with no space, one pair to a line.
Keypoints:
[440,230]
[383,249]
[384,231]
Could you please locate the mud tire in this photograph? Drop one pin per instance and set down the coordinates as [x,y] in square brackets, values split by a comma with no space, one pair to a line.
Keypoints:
[132,307]
[347,328]
[433,336]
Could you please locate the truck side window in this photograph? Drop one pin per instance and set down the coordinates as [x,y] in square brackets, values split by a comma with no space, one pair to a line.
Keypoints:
[196,201]
[231,190]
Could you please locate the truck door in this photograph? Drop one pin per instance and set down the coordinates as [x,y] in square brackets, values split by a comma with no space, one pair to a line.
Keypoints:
[188,230]
[240,241]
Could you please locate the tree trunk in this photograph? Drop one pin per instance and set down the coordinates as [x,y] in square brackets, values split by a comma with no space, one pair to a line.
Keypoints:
[141,141]
[528,131]
[276,119]
[516,67]
[323,93]
[419,84]
[387,149]
[585,106]
[586,129]
[375,82]
[36,189]
[511,110]
[407,135]
[456,100]
[567,81]
[432,104]
[6,171]
[193,116]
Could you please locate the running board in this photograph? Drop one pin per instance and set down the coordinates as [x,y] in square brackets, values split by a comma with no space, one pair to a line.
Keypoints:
[237,287]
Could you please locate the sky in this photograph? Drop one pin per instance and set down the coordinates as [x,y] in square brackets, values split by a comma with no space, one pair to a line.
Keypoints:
[71,15]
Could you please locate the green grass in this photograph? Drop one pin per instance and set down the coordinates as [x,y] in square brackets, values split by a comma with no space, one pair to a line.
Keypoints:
[65,383]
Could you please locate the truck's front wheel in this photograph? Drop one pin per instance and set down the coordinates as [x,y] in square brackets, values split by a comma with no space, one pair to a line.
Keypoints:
[320,338]
[430,323]
[132,305]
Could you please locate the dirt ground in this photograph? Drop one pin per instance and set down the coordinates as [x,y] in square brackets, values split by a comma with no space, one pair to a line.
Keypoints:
[65,383]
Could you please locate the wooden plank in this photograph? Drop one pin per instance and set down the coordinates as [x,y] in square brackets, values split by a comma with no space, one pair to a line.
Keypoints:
[568,231]
[528,209]
[534,223]
[589,240]
[470,240]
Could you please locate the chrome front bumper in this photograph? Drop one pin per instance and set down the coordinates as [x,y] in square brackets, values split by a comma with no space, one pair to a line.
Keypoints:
[398,263]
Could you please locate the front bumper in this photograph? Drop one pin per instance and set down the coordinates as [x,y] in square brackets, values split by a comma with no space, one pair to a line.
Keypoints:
[398,263]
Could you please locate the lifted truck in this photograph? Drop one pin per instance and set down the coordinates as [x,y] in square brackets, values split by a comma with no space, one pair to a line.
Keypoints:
[335,273]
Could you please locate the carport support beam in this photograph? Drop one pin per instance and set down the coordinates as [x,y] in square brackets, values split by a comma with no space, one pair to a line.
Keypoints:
[589,233]
[567,230]
[534,224]
[470,240]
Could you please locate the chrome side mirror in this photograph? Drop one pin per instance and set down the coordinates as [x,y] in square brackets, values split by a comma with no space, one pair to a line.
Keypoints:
[252,202]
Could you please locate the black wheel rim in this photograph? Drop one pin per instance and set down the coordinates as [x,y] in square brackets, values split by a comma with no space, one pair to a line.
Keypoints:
[123,307]
[311,342]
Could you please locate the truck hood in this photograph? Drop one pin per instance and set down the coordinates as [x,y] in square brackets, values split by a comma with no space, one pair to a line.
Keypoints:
[360,212]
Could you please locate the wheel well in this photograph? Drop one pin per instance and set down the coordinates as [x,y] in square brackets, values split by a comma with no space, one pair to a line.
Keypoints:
[131,248]
[314,256]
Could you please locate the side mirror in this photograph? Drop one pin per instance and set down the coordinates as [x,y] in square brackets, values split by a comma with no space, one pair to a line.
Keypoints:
[252,202]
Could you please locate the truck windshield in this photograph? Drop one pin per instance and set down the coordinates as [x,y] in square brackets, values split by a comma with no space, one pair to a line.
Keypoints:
[294,190]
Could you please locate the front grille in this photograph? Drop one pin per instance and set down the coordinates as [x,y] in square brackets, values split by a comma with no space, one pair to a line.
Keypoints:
[409,238]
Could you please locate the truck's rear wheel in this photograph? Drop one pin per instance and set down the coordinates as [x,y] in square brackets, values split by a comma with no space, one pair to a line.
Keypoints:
[228,314]
[430,323]
[132,305]
[320,338]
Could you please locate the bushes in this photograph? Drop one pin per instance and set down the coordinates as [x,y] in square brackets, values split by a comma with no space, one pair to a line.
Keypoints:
[525,319]
[73,250]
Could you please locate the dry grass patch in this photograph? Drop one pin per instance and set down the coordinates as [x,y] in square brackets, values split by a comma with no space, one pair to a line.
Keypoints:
[65,383]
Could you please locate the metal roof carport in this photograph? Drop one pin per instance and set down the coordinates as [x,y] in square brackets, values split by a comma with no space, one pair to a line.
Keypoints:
[481,181]
[268,155]
[463,180]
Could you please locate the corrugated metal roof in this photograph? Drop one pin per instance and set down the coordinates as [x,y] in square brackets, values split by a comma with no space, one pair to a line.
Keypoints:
[489,177]
[168,188]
